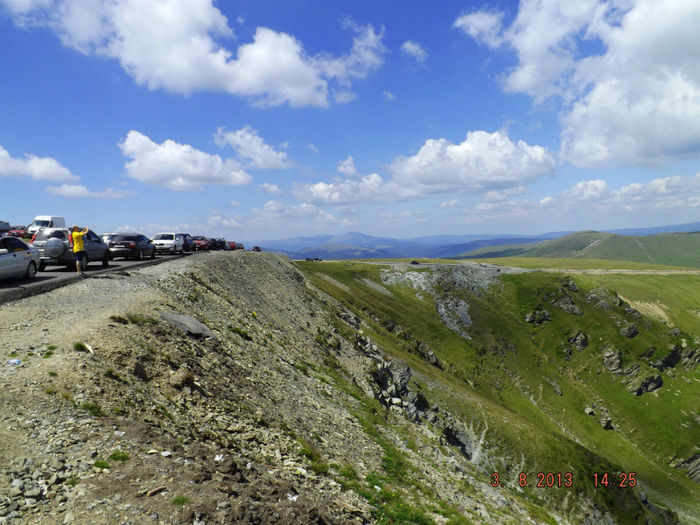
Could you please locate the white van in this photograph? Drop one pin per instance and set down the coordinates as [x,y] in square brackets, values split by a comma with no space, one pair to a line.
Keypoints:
[46,221]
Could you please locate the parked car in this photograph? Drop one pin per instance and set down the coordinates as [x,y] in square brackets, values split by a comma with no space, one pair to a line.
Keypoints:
[232,245]
[239,246]
[46,221]
[187,241]
[168,242]
[55,247]
[17,259]
[18,231]
[4,227]
[201,242]
[257,249]
[213,245]
[131,246]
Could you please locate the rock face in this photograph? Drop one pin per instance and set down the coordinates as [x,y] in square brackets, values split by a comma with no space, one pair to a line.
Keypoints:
[646,384]
[188,324]
[669,361]
[455,315]
[538,316]
[611,360]
[693,467]
[579,340]
[629,330]
[567,304]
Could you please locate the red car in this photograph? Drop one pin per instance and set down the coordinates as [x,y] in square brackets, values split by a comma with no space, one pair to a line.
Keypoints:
[201,243]
[18,231]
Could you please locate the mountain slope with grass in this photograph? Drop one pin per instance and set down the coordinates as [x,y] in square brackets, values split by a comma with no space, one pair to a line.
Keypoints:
[239,387]
[674,249]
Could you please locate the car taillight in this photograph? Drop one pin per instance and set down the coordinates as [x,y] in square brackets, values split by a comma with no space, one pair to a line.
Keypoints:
[132,245]
[70,240]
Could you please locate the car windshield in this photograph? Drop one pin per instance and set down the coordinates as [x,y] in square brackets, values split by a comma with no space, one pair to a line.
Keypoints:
[41,224]
[50,234]
[199,238]
[124,238]
[164,237]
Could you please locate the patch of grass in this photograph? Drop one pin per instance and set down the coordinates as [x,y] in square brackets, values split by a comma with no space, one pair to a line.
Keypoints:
[46,354]
[111,374]
[79,346]
[119,455]
[100,463]
[51,373]
[92,409]
[50,391]
[139,319]
[119,319]
[311,453]
[72,482]
[13,354]
[180,501]
[51,347]
[243,333]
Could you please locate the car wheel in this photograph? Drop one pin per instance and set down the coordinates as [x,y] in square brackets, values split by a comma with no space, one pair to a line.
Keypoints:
[172,250]
[105,260]
[42,266]
[31,271]
[85,263]
[139,256]
[153,253]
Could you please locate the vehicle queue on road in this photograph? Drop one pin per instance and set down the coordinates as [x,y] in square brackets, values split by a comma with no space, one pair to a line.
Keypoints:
[26,250]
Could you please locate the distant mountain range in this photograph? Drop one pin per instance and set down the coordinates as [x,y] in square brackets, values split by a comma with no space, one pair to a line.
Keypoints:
[360,246]
[673,249]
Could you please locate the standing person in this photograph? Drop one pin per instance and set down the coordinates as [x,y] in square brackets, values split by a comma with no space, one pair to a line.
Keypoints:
[78,247]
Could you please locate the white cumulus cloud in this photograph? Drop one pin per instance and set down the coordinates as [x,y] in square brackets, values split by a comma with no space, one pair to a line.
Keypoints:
[250,146]
[483,26]
[177,166]
[415,51]
[79,191]
[633,100]
[587,190]
[481,162]
[347,167]
[178,46]
[37,168]
[272,189]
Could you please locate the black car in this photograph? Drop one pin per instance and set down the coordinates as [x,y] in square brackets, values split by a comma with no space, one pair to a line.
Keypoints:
[188,243]
[131,246]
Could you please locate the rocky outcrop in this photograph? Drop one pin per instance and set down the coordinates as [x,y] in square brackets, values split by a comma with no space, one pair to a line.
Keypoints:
[538,316]
[671,360]
[611,360]
[455,314]
[629,330]
[693,467]
[188,324]
[579,340]
[566,303]
[647,384]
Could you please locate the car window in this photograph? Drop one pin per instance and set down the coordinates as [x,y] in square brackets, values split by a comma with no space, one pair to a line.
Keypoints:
[125,237]
[41,224]
[92,237]
[15,245]
[164,237]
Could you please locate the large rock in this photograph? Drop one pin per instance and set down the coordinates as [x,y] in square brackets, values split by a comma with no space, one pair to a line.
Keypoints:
[647,384]
[579,340]
[188,324]
[693,467]
[669,361]
[567,304]
[611,360]
[538,316]
[629,330]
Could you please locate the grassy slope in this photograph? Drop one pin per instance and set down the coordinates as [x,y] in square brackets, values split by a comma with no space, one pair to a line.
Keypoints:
[572,264]
[674,249]
[484,384]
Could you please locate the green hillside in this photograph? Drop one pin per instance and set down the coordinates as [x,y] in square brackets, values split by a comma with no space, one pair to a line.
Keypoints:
[526,385]
[673,249]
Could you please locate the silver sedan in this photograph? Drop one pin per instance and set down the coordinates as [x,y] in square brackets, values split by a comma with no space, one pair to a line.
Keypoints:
[17,259]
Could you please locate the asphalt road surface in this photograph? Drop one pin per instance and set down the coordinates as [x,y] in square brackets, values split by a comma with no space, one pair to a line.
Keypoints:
[56,276]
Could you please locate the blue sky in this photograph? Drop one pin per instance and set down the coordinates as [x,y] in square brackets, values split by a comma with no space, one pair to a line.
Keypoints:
[266,119]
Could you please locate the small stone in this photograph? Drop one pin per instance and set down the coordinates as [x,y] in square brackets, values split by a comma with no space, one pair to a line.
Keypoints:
[166,453]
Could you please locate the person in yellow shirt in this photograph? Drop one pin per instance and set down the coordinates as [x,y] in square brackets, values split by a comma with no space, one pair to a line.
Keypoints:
[78,247]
